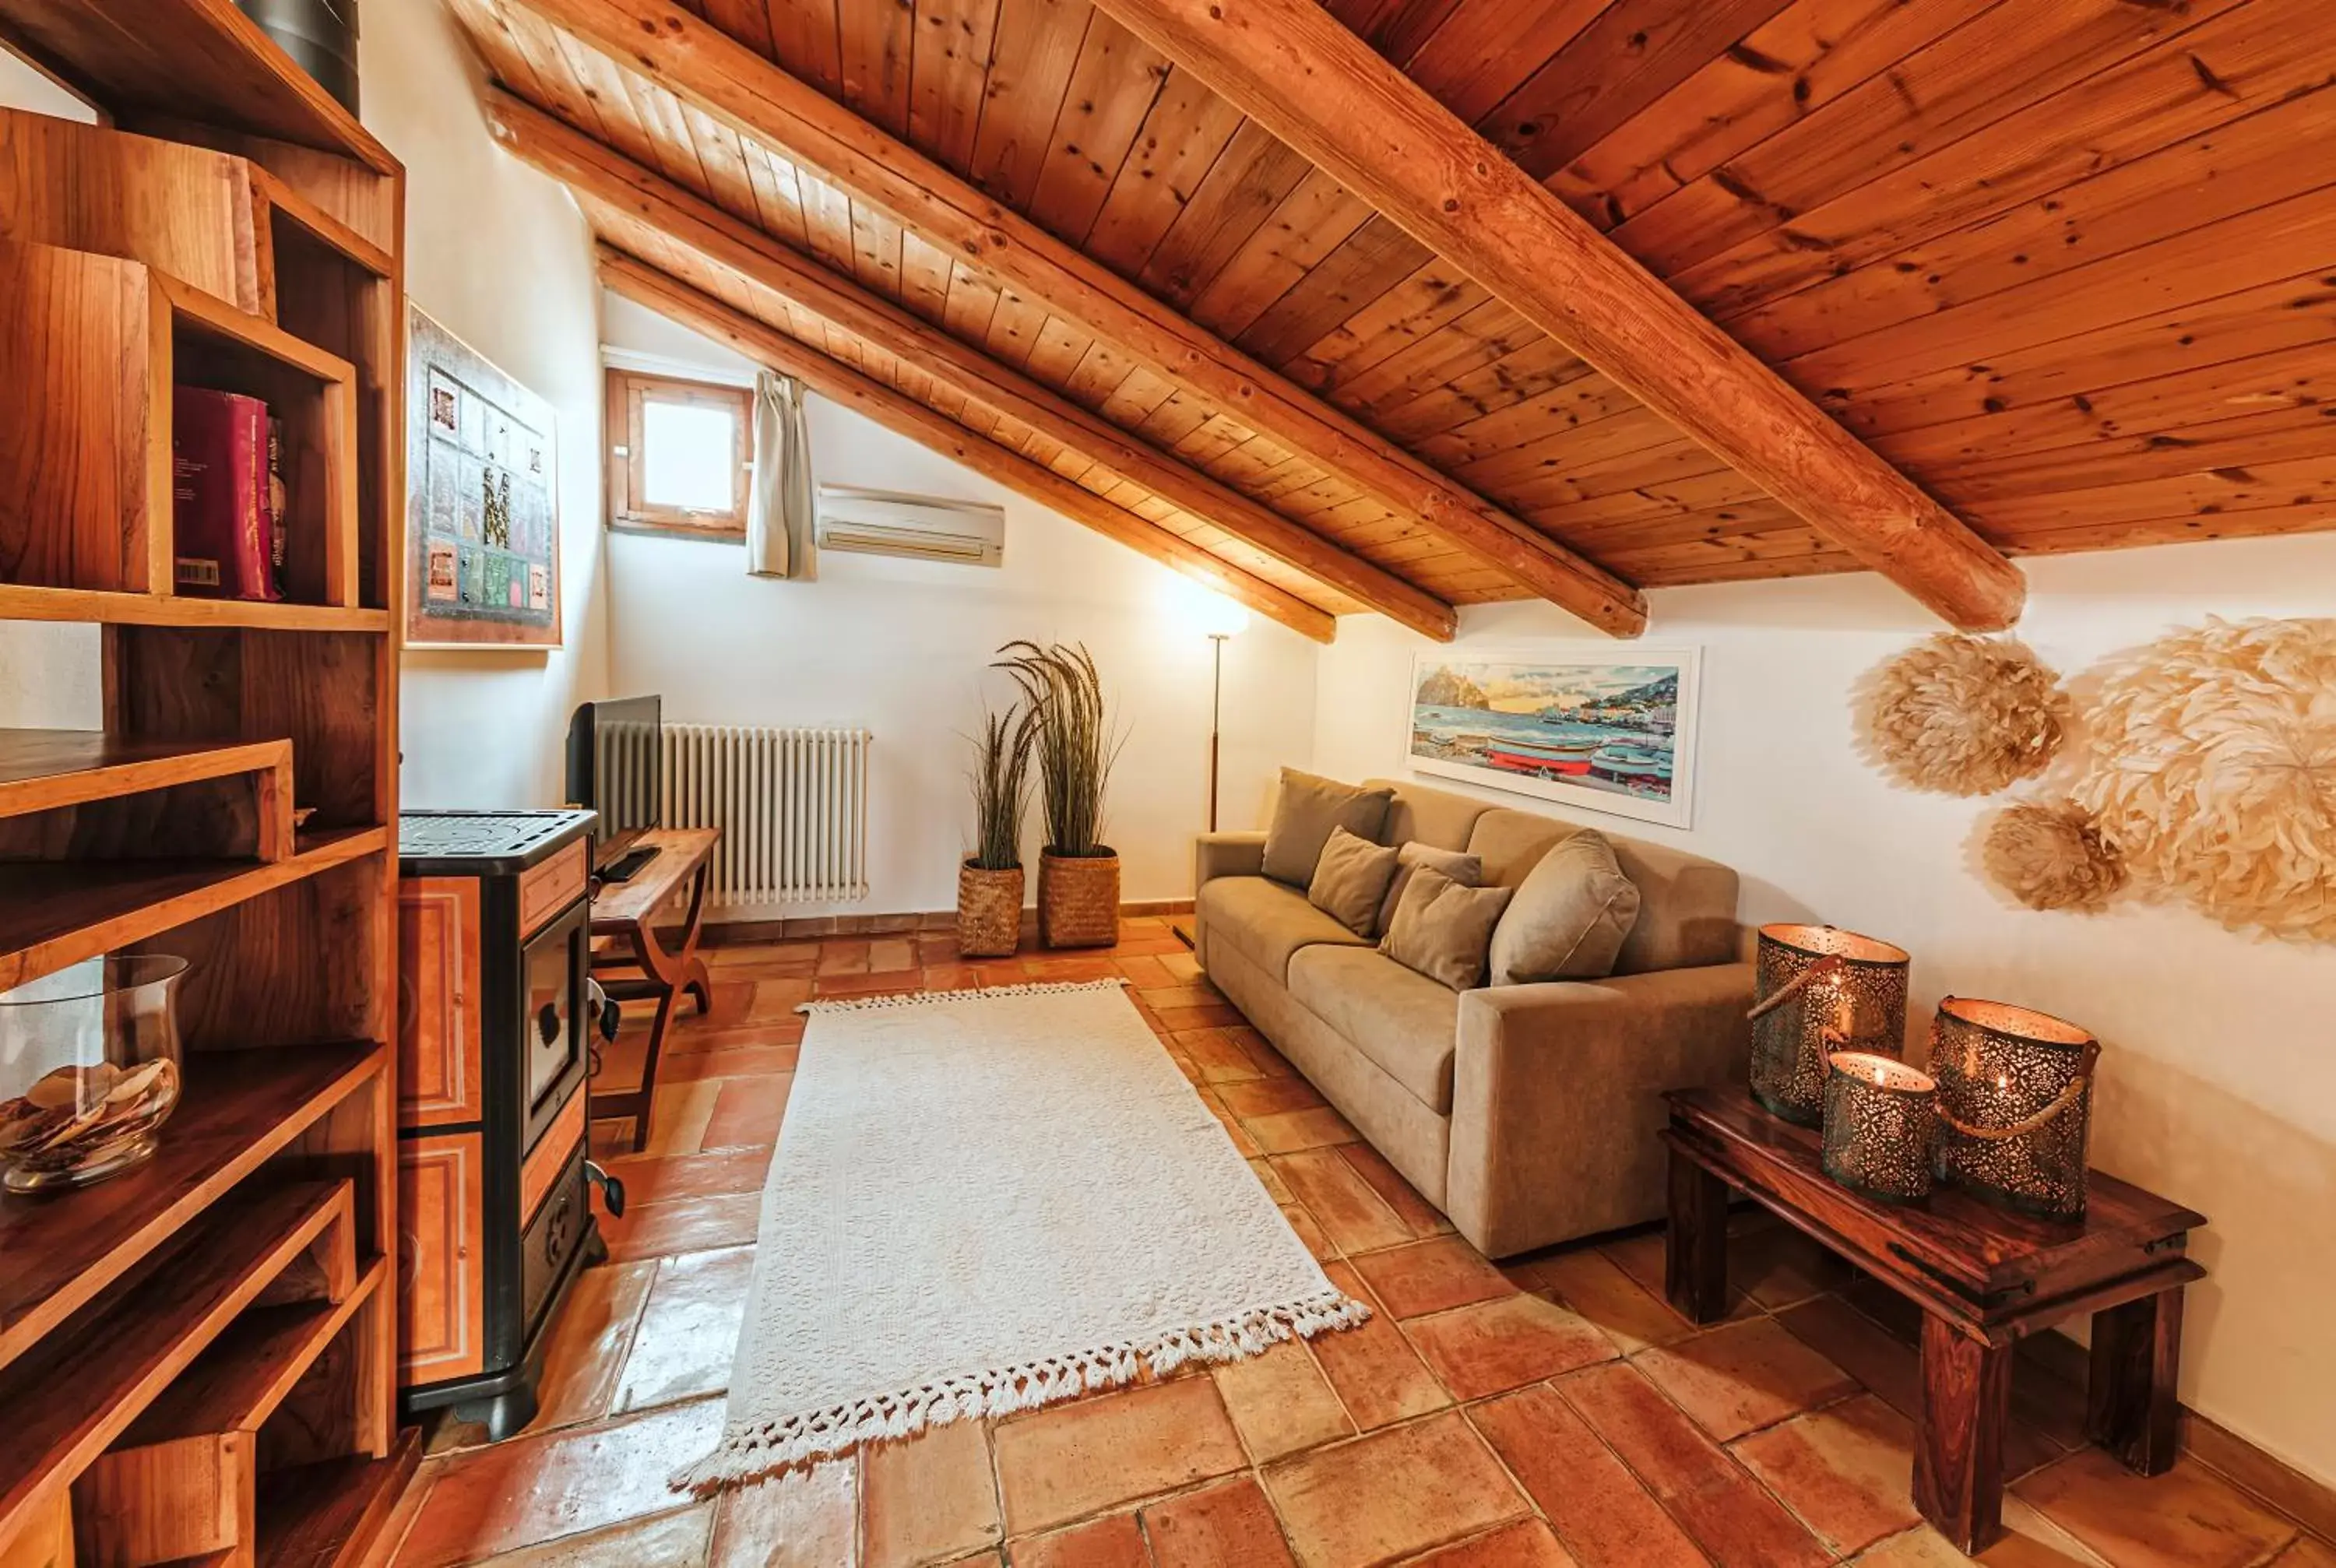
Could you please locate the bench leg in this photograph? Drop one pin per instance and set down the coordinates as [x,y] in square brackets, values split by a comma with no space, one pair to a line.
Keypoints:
[1695,1250]
[2137,1358]
[1958,1452]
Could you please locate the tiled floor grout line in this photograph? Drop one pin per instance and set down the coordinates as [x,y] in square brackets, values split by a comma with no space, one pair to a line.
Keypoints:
[1724,1445]
[1532,1505]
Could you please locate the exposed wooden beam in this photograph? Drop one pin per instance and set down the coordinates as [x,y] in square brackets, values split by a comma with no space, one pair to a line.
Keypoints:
[596,172]
[700,65]
[1294,69]
[904,416]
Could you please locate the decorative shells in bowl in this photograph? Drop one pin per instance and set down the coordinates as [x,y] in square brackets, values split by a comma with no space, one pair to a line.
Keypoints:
[89,1069]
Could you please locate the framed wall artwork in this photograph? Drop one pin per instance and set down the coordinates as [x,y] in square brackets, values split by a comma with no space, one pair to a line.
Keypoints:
[481,501]
[1607,730]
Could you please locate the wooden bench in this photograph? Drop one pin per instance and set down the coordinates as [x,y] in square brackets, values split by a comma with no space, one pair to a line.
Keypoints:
[1984,1276]
[633,964]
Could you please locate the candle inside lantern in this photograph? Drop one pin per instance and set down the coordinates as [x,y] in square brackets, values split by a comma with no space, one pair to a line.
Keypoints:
[1879,1119]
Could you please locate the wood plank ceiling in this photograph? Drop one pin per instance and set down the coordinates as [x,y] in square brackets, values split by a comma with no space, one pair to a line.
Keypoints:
[2071,265]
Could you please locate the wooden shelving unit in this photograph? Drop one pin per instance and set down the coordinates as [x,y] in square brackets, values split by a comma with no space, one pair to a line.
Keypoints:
[197,1357]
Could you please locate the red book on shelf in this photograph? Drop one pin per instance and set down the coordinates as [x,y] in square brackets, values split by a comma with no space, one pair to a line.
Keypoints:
[225,531]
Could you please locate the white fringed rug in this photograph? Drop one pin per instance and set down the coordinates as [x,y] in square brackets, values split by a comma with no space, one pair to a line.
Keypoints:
[984,1201]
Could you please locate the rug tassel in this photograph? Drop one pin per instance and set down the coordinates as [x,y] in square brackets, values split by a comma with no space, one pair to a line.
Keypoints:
[757,1452]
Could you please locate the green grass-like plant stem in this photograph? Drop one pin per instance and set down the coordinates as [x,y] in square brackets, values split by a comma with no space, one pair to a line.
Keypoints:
[1001,787]
[1074,743]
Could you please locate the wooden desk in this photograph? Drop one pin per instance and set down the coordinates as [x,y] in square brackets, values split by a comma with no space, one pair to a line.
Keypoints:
[1983,1276]
[642,967]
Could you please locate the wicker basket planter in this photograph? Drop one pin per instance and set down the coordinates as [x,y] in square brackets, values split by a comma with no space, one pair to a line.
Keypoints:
[988,911]
[1078,899]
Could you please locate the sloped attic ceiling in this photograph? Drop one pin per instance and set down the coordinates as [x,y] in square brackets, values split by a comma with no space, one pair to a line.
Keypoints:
[2061,262]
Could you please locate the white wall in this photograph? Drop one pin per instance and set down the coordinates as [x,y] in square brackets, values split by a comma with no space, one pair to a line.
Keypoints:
[2218,1087]
[902,648]
[500,254]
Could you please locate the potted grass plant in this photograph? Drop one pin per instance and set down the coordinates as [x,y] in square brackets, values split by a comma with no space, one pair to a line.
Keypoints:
[1078,873]
[989,881]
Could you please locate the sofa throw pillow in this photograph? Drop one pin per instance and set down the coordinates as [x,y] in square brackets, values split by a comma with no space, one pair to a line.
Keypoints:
[1306,811]
[1350,879]
[1569,918]
[1443,930]
[1462,867]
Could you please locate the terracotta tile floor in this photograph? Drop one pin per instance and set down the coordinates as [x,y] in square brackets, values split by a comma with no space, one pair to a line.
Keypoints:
[1548,1412]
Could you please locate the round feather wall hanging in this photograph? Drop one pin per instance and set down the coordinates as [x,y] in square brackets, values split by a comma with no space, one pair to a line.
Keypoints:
[2048,855]
[2213,771]
[1964,716]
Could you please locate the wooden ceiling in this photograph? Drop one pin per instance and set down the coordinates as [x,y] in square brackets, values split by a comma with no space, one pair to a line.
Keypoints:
[2069,265]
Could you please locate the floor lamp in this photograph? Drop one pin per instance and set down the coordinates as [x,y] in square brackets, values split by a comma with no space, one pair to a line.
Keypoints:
[1217,640]
[1228,624]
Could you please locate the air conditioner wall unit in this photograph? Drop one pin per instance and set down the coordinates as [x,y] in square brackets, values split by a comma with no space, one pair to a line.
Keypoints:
[920,526]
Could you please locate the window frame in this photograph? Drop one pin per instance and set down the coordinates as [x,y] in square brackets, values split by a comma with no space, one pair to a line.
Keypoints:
[628,508]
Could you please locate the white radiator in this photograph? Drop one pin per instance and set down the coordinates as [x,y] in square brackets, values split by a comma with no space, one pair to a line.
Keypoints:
[791,805]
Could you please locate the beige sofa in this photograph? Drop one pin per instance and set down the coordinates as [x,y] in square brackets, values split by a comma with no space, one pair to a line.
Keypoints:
[1526,1113]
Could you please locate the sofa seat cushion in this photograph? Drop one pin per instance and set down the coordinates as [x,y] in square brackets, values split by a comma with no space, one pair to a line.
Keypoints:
[1403,1022]
[1268,922]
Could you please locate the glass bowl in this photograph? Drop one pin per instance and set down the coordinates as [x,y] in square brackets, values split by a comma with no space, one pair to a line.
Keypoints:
[90,1065]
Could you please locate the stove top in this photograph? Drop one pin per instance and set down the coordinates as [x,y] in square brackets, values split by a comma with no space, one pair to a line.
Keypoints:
[484,843]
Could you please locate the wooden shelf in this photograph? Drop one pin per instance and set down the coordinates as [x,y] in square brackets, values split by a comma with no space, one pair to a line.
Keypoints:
[22,602]
[200,60]
[105,1368]
[239,1108]
[323,1515]
[58,912]
[124,795]
[320,225]
[238,1381]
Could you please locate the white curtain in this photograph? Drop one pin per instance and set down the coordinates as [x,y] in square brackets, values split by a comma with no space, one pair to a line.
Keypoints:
[779,505]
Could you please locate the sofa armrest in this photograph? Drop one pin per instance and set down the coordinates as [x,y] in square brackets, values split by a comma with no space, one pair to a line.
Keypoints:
[1557,1096]
[1218,855]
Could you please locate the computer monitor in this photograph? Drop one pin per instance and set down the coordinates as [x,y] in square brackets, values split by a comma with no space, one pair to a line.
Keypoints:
[616,767]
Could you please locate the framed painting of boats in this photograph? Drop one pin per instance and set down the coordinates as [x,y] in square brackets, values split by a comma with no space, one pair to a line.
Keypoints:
[1607,730]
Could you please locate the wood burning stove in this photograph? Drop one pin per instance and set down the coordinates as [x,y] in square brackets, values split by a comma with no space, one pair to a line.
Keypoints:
[494,1221]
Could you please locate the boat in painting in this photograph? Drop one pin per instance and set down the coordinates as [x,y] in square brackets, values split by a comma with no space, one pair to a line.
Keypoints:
[1550,759]
[1633,768]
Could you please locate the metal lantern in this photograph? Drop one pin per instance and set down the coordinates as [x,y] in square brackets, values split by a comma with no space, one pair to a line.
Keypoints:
[1820,990]
[1879,1118]
[2015,1104]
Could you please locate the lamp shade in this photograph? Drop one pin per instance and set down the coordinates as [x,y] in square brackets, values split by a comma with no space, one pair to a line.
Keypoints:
[1819,990]
[1204,611]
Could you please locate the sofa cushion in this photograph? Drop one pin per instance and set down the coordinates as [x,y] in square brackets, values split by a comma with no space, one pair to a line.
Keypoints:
[1686,904]
[1267,922]
[1461,867]
[1404,1022]
[1443,930]
[1350,879]
[1305,811]
[1569,918]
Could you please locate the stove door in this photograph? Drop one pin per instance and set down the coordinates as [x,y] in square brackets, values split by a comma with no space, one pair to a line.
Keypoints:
[552,1024]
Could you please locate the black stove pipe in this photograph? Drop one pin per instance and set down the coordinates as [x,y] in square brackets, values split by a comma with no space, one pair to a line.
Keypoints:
[321,36]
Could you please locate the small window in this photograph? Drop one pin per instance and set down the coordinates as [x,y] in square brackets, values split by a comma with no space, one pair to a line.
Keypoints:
[680,455]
